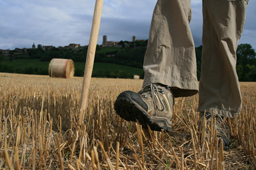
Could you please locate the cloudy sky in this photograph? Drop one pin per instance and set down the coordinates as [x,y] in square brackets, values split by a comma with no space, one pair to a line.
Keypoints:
[59,23]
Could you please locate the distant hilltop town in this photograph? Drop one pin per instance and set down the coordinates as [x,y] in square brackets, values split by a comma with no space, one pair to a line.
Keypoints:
[106,43]
[73,46]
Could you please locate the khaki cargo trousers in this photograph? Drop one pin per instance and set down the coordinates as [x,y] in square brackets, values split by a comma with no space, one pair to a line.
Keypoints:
[170,57]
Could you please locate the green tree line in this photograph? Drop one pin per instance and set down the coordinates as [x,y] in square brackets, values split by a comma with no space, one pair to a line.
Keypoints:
[127,53]
[245,66]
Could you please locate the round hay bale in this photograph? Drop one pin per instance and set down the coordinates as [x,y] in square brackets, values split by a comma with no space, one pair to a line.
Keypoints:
[63,68]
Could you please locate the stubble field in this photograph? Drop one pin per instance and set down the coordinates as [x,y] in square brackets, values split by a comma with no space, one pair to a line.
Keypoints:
[39,129]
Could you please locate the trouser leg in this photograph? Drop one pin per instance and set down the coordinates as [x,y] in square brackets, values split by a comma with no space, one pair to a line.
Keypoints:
[219,86]
[170,57]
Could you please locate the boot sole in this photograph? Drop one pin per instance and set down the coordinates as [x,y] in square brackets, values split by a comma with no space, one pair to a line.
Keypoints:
[130,111]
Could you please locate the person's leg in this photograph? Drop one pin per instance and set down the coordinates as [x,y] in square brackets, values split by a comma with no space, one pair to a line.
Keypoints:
[169,65]
[219,85]
[219,92]
[170,57]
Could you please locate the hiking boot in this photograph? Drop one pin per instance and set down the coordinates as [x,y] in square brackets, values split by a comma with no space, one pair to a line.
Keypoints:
[151,106]
[220,126]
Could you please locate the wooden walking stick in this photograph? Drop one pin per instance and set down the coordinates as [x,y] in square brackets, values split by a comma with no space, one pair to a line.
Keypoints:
[90,58]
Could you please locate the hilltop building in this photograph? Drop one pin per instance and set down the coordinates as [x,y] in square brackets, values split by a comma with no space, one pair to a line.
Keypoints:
[5,52]
[72,46]
[107,43]
[48,47]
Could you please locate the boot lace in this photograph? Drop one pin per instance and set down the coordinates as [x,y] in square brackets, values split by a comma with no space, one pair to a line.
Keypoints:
[154,92]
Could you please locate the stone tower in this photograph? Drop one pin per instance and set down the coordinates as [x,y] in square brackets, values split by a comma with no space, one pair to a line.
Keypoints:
[134,38]
[105,39]
[33,46]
